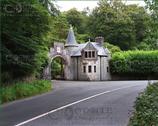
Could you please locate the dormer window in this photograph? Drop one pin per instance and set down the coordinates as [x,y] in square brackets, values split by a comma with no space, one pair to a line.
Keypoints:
[89,54]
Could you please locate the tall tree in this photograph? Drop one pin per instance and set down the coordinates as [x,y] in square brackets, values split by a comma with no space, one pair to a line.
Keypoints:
[24,49]
[108,20]
[77,19]
[120,24]
[152,38]
[141,21]
[59,28]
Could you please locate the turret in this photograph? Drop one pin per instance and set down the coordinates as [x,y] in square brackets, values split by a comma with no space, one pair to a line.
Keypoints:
[71,43]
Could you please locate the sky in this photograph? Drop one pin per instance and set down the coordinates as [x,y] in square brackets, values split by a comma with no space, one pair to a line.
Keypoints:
[65,5]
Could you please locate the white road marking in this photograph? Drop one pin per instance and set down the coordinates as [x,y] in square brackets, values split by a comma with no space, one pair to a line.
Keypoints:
[65,106]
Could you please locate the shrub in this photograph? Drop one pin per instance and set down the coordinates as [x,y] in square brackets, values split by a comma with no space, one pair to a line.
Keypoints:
[135,62]
[7,94]
[146,108]
[112,48]
[24,89]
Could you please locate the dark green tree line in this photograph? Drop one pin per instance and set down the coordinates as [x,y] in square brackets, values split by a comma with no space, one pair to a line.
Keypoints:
[120,24]
[152,37]
[24,47]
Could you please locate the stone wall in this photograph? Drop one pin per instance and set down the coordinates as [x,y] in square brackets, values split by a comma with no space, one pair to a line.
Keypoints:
[105,69]
[101,73]
[88,75]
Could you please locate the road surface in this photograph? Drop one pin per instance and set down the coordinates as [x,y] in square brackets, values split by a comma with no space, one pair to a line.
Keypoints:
[76,103]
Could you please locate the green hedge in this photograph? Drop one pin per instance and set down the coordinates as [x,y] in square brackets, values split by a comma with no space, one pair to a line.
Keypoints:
[24,89]
[135,62]
[146,108]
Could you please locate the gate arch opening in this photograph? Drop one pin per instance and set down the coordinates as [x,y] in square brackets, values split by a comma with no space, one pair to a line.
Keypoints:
[58,68]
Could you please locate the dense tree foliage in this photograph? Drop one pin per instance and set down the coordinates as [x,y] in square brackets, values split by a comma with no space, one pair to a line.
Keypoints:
[77,19]
[141,21]
[24,48]
[119,24]
[58,29]
[152,38]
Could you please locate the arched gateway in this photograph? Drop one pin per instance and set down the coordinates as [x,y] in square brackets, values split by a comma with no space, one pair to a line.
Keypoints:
[87,61]
[57,51]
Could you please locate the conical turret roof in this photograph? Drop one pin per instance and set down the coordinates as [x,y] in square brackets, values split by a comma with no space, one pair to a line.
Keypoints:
[71,40]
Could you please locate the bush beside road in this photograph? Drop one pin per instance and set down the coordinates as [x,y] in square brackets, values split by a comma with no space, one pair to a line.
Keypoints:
[146,108]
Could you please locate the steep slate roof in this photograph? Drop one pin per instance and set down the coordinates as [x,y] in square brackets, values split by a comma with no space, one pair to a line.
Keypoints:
[71,40]
[101,50]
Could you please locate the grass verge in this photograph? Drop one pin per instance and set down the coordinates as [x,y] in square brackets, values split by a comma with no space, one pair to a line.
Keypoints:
[146,108]
[24,89]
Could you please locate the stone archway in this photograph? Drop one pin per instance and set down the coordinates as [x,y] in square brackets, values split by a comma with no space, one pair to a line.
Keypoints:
[57,51]
[59,72]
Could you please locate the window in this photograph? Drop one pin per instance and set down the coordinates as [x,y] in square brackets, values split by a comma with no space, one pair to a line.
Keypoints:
[107,69]
[89,54]
[89,69]
[93,54]
[94,69]
[84,69]
[86,54]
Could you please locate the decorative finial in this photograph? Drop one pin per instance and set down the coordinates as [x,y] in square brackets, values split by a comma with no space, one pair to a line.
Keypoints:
[89,40]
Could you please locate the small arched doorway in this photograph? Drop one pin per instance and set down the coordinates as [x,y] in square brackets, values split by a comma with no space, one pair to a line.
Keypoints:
[58,68]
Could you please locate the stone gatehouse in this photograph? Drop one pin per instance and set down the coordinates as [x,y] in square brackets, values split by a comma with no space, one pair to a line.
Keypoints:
[87,61]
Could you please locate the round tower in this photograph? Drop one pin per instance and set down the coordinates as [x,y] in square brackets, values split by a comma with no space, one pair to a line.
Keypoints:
[71,43]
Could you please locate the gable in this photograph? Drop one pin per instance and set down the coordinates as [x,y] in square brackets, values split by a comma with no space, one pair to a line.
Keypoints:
[89,46]
[93,46]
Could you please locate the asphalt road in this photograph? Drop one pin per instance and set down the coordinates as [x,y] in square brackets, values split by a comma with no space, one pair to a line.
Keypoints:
[107,103]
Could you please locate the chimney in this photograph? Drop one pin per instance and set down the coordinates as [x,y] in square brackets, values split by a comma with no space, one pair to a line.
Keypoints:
[99,40]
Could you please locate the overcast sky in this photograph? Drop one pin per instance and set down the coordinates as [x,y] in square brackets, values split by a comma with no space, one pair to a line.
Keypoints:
[81,4]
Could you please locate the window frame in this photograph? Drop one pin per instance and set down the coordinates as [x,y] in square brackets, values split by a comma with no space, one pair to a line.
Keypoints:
[85,54]
[84,68]
[95,69]
[89,69]
[89,54]
[93,54]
